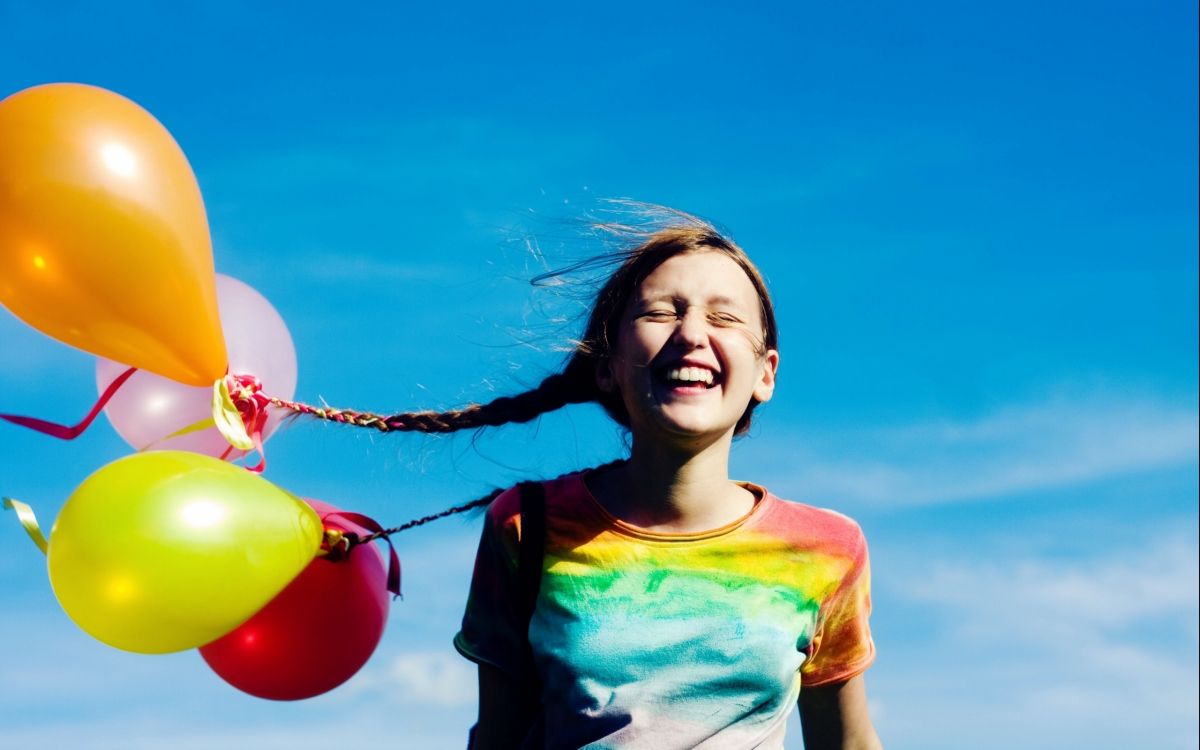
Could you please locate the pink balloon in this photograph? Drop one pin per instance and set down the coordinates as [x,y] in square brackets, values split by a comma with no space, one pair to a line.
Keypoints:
[316,633]
[149,407]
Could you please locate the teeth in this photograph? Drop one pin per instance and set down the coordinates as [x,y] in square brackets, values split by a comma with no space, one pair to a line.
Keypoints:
[690,375]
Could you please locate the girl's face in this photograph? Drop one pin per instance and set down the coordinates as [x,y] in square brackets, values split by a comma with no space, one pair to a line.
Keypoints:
[689,355]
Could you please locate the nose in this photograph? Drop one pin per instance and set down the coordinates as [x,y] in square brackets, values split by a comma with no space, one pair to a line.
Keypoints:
[692,329]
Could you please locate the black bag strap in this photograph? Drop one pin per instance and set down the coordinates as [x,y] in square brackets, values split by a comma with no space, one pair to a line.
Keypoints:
[533,545]
[529,576]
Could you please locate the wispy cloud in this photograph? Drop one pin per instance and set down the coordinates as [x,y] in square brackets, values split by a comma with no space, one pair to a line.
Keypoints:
[65,690]
[1103,651]
[61,688]
[1059,442]
[1003,600]
[431,678]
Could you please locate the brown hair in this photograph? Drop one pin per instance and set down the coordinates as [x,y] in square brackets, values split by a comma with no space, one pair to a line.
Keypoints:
[576,383]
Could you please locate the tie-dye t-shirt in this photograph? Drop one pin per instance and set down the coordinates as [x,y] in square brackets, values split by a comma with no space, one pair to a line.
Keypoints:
[650,640]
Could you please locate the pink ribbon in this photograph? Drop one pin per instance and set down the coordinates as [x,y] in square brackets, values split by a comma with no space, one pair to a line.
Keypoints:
[63,432]
[246,393]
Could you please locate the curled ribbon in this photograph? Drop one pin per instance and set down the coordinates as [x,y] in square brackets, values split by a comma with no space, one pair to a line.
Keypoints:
[240,414]
[338,544]
[63,432]
[28,521]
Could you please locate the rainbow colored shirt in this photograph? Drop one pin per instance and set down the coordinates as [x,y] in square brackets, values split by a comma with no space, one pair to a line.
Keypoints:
[651,640]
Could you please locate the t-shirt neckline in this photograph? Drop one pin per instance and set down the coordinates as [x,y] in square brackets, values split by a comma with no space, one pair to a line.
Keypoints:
[763,498]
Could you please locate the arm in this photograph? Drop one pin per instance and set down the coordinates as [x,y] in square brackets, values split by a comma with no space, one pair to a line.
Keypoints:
[506,712]
[834,717]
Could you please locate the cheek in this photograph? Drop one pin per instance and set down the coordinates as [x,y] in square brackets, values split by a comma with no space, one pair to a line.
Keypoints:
[754,343]
[641,345]
[628,370]
[741,349]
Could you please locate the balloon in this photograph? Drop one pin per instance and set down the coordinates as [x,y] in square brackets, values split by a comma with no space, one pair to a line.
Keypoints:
[167,550]
[316,634]
[103,238]
[149,407]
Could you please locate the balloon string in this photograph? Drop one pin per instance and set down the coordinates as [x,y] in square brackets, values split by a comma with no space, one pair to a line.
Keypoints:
[70,433]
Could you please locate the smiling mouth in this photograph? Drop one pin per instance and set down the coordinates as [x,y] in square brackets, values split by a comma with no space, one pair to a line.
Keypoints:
[688,378]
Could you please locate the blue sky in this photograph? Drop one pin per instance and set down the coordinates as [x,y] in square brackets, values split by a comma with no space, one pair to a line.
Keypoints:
[980,227]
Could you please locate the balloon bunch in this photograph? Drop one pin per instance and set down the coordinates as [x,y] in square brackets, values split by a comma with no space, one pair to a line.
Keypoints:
[104,245]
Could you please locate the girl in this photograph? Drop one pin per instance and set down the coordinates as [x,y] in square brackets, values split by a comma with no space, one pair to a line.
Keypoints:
[652,602]
[670,606]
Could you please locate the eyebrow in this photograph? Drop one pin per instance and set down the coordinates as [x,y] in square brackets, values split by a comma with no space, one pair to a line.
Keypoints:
[723,300]
[718,299]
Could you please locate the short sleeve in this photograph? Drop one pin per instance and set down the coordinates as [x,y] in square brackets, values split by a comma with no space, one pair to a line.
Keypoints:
[842,647]
[492,628]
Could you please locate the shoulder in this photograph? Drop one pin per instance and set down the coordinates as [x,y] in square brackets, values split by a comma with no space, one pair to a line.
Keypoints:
[815,527]
[505,508]
[562,497]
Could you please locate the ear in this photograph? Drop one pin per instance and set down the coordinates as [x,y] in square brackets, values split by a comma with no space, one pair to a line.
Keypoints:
[764,388]
[604,376]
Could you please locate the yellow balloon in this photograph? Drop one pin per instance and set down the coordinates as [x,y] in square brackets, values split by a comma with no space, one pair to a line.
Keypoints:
[104,242]
[167,550]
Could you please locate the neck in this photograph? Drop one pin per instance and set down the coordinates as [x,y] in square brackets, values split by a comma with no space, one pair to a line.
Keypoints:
[671,489]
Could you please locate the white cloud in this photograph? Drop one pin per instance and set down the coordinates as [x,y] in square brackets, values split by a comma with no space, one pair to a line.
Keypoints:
[439,679]
[62,689]
[1043,653]
[1113,593]
[1056,443]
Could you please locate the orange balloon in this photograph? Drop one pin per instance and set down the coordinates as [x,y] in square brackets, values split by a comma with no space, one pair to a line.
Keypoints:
[104,242]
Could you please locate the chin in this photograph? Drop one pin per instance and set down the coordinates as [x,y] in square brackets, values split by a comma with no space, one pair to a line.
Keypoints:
[688,426]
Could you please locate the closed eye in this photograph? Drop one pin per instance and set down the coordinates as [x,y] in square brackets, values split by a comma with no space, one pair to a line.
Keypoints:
[660,315]
[724,318]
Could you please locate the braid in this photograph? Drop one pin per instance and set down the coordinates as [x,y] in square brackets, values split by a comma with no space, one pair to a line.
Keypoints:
[574,385]
[482,502]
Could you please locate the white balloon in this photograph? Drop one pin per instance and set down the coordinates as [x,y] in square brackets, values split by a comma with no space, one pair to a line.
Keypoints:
[148,407]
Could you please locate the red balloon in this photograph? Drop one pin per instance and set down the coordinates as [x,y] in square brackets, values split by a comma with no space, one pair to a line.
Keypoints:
[316,633]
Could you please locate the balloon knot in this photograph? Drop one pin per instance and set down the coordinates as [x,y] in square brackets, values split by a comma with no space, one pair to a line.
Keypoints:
[337,544]
[247,396]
